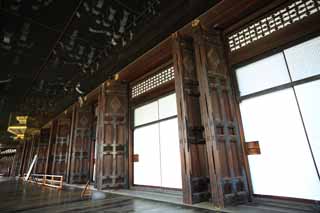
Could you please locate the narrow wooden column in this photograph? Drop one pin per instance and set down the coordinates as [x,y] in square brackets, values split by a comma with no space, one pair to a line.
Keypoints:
[33,145]
[195,177]
[23,158]
[60,150]
[113,136]
[42,151]
[225,154]
[50,147]
[79,168]
[36,138]
[69,160]
[17,160]
[28,154]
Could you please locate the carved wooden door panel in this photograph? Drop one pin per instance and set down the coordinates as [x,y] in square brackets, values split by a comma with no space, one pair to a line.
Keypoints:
[192,144]
[60,150]
[42,151]
[113,136]
[81,146]
[225,154]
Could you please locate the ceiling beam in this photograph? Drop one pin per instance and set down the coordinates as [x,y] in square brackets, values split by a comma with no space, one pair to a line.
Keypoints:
[35,77]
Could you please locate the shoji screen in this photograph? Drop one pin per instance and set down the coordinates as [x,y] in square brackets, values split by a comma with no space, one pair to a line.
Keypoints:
[280,109]
[156,142]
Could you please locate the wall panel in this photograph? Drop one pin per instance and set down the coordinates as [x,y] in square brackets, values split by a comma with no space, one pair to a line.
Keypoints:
[113,136]
[195,176]
[61,147]
[80,159]
[225,154]
[42,150]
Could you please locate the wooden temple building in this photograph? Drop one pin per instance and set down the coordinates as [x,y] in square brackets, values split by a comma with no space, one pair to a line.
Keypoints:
[216,101]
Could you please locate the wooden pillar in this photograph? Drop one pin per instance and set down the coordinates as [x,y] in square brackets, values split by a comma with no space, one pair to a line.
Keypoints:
[112,165]
[17,160]
[36,138]
[31,151]
[79,168]
[42,151]
[22,158]
[94,142]
[73,120]
[49,160]
[225,154]
[60,149]
[195,177]
[27,156]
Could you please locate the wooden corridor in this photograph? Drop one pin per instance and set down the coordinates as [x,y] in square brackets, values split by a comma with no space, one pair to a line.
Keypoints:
[25,197]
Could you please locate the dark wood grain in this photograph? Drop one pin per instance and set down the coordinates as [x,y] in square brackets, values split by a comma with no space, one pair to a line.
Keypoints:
[217,102]
[192,144]
[113,136]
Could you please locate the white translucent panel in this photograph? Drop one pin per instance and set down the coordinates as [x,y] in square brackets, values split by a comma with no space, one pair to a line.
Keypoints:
[146,114]
[146,145]
[309,101]
[285,166]
[167,106]
[304,59]
[263,74]
[170,154]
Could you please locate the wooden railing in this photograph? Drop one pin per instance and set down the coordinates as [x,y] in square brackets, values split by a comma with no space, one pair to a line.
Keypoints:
[55,181]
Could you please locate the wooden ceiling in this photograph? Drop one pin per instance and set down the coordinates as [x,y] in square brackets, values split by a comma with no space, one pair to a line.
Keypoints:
[51,51]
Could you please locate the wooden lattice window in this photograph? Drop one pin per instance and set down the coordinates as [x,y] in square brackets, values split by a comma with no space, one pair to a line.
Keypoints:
[152,82]
[280,19]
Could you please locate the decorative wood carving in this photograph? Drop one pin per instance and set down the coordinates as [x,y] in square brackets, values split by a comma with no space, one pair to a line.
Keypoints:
[80,171]
[193,154]
[225,154]
[112,162]
[60,150]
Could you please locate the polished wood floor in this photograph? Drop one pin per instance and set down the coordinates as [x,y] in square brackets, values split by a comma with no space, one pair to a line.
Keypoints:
[17,196]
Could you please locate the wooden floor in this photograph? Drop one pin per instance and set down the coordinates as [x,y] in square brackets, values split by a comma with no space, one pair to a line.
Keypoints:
[16,196]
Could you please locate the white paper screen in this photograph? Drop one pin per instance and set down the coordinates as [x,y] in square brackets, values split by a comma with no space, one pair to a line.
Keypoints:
[146,114]
[170,154]
[285,167]
[146,145]
[309,100]
[263,74]
[304,59]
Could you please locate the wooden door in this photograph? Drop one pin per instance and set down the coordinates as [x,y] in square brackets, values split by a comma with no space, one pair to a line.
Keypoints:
[42,151]
[60,150]
[195,174]
[113,136]
[80,160]
[225,154]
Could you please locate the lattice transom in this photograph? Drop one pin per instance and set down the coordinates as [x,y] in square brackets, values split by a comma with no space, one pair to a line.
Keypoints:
[152,82]
[281,18]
